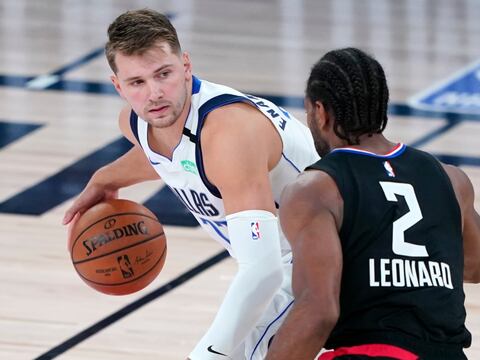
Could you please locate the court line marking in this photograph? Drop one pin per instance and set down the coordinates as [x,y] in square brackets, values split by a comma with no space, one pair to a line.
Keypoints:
[104,88]
[416,100]
[46,80]
[11,131]
[435,133]
[127,309]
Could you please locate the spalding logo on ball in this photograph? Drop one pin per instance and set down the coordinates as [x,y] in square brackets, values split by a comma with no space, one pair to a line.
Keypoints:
[117,247]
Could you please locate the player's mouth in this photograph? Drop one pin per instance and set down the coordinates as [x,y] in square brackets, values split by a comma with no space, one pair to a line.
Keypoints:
[159,110]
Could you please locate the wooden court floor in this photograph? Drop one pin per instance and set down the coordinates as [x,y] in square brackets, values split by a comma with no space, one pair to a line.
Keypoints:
[58,123]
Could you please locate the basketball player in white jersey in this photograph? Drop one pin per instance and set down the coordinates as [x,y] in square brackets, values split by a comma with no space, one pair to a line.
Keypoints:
[225,154]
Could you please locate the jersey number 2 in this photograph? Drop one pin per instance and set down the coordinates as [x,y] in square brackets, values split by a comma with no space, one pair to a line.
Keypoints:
[414,215]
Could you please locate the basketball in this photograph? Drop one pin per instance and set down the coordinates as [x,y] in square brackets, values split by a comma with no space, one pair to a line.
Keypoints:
[117,247]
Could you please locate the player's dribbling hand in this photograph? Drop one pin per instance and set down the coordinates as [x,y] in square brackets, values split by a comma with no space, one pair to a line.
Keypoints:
[91,195]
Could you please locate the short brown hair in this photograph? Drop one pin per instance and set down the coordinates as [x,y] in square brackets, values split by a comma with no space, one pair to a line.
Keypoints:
[136,31]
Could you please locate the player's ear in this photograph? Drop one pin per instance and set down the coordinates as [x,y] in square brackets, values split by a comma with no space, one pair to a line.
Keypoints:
[187,65]
[322,115]
[116,83]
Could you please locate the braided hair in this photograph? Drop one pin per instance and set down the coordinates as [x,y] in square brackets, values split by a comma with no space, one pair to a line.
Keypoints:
[352,87]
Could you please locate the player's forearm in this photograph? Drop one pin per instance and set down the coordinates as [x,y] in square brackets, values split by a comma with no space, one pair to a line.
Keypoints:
[129,169]
[255,243]
[304,332]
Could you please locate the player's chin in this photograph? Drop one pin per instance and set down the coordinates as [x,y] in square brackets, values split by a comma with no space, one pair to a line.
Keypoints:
[162,121]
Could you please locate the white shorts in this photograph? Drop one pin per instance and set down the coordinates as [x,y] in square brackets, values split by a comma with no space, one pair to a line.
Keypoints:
[256,344]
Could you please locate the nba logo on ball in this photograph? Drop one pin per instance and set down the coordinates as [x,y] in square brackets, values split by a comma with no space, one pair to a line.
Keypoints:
[255,230]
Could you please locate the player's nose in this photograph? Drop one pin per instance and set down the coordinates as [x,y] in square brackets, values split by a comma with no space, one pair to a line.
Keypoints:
[156,90]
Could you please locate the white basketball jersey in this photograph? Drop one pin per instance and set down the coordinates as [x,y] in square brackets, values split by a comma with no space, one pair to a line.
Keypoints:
[184,172]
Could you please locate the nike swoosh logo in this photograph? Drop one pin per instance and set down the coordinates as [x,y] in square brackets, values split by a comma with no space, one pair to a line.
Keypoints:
[213,351]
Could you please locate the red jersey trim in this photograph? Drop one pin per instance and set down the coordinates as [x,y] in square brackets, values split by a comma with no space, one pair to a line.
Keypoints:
[373,350]
[396,149]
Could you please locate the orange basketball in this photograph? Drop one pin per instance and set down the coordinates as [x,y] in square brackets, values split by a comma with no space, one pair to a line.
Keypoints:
[117,247]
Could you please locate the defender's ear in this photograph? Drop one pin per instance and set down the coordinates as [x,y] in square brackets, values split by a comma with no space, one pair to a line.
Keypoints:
[322,116]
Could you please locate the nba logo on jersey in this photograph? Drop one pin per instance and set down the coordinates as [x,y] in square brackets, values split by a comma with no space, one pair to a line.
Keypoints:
[255,230]
[389,169]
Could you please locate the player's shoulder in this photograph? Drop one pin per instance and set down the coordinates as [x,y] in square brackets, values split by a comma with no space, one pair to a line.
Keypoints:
[312,189]
[455,173]
[237,123]
[125,124]
[238,115]
[461,183]
[314,193]
[124,116]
